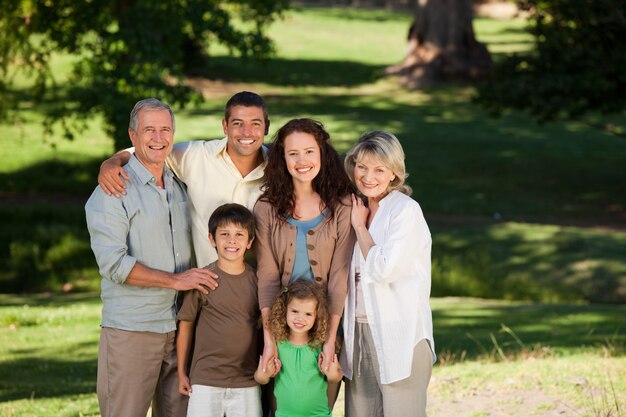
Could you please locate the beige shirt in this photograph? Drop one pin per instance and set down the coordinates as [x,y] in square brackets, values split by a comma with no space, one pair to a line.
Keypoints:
[212,179]
[329,244]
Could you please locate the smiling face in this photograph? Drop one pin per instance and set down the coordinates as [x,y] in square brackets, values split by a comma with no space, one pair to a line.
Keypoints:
[302,156]
[231,242]
[245,129]
[301,315]
[372,178]
[154,137]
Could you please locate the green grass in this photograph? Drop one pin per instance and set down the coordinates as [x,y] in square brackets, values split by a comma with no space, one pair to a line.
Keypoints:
[513,205]
[48,349]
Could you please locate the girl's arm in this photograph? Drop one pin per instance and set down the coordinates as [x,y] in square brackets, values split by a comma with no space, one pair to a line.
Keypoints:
[183,346]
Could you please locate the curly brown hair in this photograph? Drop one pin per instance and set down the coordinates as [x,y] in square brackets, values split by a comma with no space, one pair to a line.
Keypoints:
[300,289]
[331,183]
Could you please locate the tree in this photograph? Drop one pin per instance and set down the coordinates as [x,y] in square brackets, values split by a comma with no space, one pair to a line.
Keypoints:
[128,50]
[577,64]
[442,45]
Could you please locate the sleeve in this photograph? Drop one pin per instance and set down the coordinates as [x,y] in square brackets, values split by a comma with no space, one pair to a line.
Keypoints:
[108,225]
[268,274]
[177,160]
[191,305]
[340,264]
[407,234]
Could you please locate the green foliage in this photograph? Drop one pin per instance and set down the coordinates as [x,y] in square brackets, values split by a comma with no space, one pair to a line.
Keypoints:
[44,249]
[128,50]
[577,64]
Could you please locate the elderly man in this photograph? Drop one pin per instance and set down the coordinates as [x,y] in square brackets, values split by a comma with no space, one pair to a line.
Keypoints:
[143,248]
[216,172]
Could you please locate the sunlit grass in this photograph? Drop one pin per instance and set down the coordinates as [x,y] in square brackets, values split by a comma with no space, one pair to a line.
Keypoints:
[48,346]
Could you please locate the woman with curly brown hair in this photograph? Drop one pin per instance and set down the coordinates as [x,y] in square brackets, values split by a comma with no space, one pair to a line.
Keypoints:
[303,225]
[298,321]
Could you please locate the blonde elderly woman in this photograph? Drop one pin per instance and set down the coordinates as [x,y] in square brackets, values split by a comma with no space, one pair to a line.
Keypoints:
[388,347]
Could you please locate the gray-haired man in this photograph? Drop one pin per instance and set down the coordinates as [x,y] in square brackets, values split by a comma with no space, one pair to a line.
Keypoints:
[142,245]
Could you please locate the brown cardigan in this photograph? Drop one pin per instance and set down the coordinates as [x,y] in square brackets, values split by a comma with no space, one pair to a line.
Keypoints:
[330,246]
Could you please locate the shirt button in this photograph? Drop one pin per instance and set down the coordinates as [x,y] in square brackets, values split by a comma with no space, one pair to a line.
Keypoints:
[310,247]
[318,279]
[311,232]
[313,262]
[176,254]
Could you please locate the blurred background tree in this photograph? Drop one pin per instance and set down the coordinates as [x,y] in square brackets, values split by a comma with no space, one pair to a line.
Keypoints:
[577,64]
[127,49]
[442,45]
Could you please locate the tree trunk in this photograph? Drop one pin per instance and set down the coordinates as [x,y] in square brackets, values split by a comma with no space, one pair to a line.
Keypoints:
[442,45]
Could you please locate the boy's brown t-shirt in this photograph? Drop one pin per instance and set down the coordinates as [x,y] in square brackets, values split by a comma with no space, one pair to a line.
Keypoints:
[225,351]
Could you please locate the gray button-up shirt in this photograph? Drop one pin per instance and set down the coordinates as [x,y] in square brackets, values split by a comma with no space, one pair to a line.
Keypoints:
[149,225]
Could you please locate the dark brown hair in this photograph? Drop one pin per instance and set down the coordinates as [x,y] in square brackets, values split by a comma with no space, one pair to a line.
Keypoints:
[331,183]
[232,214]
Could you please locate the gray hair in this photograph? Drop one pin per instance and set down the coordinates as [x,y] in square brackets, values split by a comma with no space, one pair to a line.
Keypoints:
[148,104]
[385,147]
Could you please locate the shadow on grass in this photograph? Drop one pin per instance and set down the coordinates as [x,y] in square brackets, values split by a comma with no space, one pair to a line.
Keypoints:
[73,175]
[357,14]
[35,377]
[529,261]
[290,72]
[468,325]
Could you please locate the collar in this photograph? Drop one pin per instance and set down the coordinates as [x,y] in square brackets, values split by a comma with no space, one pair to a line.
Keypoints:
[142,172]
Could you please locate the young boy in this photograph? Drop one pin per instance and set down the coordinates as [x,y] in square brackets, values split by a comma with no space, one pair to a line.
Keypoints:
[221,381]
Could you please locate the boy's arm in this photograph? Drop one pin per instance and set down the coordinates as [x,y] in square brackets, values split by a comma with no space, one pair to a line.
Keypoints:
[111,176]
[183,346]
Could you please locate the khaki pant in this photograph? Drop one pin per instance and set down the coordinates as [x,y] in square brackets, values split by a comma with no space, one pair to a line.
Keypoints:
[366,396]
[135,369]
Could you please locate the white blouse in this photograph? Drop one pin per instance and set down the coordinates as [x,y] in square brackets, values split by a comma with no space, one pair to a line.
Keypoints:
[395,279]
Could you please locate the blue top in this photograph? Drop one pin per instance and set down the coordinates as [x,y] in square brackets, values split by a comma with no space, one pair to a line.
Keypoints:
[301,265]
[149,225]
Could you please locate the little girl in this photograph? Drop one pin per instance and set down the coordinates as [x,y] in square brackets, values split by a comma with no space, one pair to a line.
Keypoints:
[298,322]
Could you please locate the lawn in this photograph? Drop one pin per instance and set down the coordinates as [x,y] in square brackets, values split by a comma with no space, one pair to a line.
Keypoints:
[561,354]
[518,211]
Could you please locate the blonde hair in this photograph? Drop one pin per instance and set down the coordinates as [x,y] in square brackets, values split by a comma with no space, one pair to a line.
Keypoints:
[301,289]
[385,147]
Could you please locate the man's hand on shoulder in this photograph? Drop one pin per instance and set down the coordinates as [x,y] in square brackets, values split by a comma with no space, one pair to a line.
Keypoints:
[112,175]
[201,279]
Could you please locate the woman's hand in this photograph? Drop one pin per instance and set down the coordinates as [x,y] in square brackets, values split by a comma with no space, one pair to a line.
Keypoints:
[263,375]
[359,213]
[326,357]
[269,358]
[333,373]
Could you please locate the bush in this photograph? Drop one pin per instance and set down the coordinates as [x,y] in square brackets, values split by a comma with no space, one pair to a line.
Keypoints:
[577,64]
